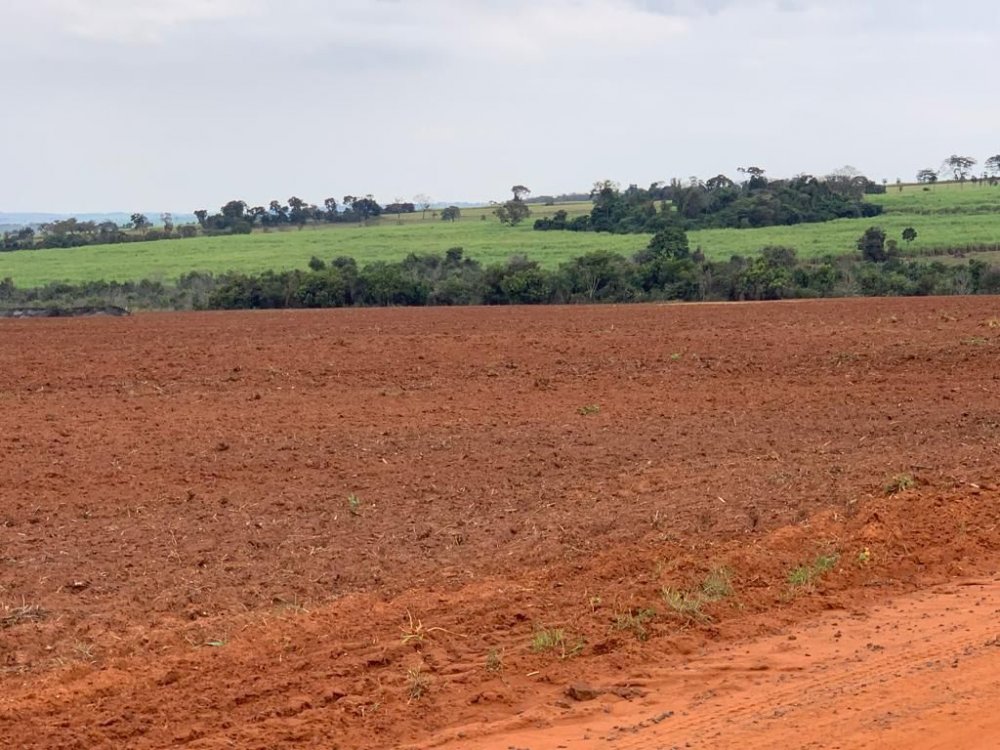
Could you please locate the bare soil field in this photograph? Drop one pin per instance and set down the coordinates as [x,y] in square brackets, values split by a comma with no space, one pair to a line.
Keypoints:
[619,527]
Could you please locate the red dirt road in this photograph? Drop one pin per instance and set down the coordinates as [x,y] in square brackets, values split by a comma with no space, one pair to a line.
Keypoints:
[922,672]
[180,563]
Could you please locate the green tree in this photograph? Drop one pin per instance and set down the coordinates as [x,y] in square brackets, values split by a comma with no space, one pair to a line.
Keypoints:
[451,213]
[139,222]
[872,245]
[512,212]
[927,176]
[960,166]
[599,275]
[909,234]
[298,212]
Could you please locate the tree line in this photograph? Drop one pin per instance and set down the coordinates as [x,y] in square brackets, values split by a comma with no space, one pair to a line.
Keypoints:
[667,269]
[721,202]
[960,168]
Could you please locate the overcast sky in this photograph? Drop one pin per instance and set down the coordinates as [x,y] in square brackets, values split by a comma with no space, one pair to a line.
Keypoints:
[183,104]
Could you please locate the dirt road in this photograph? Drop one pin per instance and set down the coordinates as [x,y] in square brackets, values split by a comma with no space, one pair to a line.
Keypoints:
[920,673]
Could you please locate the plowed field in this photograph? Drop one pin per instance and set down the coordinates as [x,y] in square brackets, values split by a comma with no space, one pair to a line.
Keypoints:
[635,527]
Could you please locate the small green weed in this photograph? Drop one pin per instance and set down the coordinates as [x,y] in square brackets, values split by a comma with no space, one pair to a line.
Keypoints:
[806,575]
[688,604]
[635,622]
[899,483]
[685,604]
[555,639]
[589,409]
[717,585]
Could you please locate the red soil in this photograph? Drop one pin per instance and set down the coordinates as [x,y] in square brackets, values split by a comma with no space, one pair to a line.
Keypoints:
[180,564]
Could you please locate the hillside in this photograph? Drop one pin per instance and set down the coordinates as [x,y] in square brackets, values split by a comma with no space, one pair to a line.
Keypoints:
[945,216]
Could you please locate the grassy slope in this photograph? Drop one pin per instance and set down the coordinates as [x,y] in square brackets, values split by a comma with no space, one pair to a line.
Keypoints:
[945,216]
[948,215]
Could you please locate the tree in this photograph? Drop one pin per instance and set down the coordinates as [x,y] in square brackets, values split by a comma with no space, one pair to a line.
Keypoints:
[330,212]
[202,216]
[256,214]
[298,212]
[423,202]
[755,177]
[872,245]
[167,219]
[520,192]
[139,222]
[234,211]
[927,176]
[992,166]
[363,208]
[719,182]
[451,213]
[512,212]
[959,166]
[909,234]
[277,213]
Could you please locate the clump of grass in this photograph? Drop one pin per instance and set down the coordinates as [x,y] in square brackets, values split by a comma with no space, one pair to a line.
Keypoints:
[634,621]
[417,683]
[545,640]
[589,409]
[354,504]
[13,616]
[685,604]
[899,483]
[688,604]
[717,585]
[806,575]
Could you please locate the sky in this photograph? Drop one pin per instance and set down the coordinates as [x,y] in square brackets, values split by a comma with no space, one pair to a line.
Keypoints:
[159,105]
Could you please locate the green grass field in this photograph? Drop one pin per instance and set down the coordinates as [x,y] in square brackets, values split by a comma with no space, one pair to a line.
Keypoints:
[947,215]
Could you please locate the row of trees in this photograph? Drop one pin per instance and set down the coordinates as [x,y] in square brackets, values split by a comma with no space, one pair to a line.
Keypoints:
[960,168]
[239,217]
[721,202]
[235,217]
[71,232]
